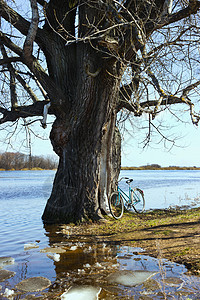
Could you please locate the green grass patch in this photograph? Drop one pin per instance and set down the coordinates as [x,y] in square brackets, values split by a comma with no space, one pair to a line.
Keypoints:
[132,221]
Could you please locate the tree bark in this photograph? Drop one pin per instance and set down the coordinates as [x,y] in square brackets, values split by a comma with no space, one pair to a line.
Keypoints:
[83,140]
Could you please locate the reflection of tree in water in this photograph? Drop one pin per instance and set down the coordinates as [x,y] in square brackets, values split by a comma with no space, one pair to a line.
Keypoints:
[82,252]
[47,185]
[89,260]
[24,270]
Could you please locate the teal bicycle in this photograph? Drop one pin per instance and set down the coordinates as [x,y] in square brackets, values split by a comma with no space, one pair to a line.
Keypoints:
[133,200]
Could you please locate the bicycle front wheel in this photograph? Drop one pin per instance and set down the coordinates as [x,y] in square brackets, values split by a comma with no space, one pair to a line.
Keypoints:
[116,205]
[138,200]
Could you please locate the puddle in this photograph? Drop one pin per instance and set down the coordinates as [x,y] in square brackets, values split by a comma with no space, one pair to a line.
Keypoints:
[87,268]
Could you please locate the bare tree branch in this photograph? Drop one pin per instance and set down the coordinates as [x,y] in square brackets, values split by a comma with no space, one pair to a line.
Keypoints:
[169,43]
[35,109]
[46,82]
[26,87]
[8,43]
[190,87]
[28,44]
[192,8]
[13,94]
[42,2]
[163,101]
[18,77]
[20,23]
[8,60]
[123,29]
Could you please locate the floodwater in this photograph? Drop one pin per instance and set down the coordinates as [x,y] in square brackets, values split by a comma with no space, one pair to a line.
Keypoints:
[82,267]
[163,189]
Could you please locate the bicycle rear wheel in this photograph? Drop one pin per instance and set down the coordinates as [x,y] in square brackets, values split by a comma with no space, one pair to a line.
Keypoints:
[116,205]
[138,200]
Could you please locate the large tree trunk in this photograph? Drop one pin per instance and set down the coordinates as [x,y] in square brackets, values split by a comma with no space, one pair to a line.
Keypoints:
[84,141]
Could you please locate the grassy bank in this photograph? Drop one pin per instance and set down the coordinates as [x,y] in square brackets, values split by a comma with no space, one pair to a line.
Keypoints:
[171,234]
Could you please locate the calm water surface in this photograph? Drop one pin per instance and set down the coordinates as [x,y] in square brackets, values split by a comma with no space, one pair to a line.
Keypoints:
[163,189]
[23,196]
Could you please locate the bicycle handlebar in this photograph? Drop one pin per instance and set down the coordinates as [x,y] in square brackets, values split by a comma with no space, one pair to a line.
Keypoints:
[123,178]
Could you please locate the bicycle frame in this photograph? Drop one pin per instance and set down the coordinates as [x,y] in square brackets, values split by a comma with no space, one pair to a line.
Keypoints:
[128,198]
[134,198]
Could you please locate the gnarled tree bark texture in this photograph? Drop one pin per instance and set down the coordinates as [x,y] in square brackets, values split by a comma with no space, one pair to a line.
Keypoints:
[84,141]
[78,53]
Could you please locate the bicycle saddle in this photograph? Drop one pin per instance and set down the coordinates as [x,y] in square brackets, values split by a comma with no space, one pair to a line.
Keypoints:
[129,181]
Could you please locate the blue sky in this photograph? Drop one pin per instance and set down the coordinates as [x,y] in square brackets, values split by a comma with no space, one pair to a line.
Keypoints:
[186,154]
[185,151]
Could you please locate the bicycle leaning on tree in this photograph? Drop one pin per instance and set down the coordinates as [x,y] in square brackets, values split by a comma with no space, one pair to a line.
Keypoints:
[133,200]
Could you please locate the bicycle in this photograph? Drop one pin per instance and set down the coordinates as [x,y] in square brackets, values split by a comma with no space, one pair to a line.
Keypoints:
[134,199]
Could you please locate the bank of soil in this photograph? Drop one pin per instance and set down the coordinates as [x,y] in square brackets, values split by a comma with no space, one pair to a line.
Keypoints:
[170,234]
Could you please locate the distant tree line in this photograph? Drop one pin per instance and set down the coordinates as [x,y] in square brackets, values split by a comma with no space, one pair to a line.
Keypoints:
[158,167]
[20,161]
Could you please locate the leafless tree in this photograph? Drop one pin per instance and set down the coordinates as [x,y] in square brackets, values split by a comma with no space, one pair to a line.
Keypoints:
[86,62]
[19,161]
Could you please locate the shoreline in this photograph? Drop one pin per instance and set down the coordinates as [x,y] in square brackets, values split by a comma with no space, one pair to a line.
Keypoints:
[26,169]
[161,168]
[169,234]
[122,169]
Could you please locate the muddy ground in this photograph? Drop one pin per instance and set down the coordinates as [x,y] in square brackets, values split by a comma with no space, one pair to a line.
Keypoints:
[170,234]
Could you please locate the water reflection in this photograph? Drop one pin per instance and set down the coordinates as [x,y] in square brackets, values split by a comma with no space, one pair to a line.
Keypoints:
[92,266]
[81,252]
[89,261]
